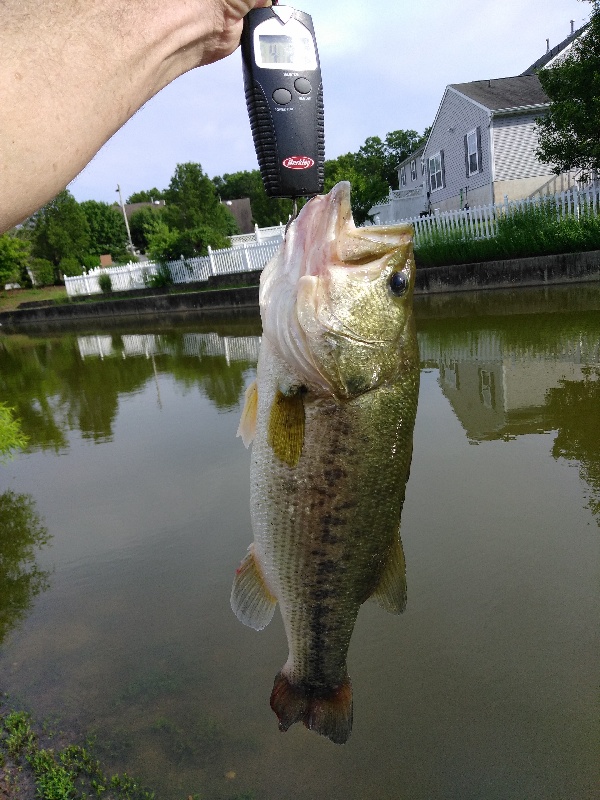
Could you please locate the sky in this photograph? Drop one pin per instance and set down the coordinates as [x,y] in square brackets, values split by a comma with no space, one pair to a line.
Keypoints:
[384,68]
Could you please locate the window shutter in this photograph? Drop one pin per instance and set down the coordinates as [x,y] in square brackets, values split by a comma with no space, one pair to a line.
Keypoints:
[443,168]
[466,156]
[479,153]
[428,173]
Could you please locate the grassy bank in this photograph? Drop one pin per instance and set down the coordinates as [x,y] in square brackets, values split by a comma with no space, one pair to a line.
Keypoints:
[40,762]
[9,300]
[534,231]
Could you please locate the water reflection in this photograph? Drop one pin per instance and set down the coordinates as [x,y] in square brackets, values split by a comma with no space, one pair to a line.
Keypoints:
[532,374]
[22,533]
[486,687]
[76,383]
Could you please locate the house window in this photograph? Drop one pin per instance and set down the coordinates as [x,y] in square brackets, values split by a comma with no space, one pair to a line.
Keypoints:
[402,176]
[413,170]
[436,171]
[473,151]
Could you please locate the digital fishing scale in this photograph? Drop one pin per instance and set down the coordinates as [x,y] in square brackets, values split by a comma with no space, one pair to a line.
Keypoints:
[284,95]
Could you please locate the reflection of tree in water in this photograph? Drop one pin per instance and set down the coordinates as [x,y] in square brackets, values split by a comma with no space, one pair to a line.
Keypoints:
[222,383]
[21,534]
[54,390]
[574,409]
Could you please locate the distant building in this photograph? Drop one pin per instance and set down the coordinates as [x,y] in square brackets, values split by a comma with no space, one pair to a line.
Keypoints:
[131,208]
[241,212]
[481,147]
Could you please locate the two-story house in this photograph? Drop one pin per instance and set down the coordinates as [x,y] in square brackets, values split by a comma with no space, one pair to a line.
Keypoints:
[481,147]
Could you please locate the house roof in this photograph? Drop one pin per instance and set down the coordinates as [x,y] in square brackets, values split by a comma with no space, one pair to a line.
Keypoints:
[505,93]
[550,55]
[415,154]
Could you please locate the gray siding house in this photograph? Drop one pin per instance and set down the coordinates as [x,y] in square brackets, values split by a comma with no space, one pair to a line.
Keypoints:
[483,141]
[481,147]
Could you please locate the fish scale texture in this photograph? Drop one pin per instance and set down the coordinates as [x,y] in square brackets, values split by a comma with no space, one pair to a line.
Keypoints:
[324,529]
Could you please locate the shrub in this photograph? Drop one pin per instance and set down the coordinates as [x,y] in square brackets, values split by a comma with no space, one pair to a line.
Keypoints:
[105,283]
[43,271]
[70,266]
[90,262]
[531,231]
[162,277]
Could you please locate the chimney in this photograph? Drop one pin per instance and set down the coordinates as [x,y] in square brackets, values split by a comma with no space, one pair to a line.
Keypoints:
[572,27]
[547,45]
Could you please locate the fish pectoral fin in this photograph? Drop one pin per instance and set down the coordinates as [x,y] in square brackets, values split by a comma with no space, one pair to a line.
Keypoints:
[251,601]
[390,592]
[247,426]
[285,432]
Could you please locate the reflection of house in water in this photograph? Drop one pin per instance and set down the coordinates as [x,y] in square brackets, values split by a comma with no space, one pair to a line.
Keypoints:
[499,390]
[233,348]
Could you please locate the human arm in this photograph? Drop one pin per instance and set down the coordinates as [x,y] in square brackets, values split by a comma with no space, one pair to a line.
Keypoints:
[72,72]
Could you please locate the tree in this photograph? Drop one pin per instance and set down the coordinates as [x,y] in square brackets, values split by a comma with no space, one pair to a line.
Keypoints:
[193,203]
[168,244]
[14,257]
[107,229]
[146,196]
[60,230]
[568,135]
[266,211]
[142,224]
[22,533]
[372,170]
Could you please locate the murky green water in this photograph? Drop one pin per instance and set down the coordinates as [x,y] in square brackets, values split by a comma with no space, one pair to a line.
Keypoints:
[486,687]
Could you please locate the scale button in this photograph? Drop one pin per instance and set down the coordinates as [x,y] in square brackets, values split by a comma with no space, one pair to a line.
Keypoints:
[282,97]
[302,85]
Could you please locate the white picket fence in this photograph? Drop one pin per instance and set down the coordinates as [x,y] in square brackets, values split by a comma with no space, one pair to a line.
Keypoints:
[481,222]
[247,256]
[242,258]
[258,235]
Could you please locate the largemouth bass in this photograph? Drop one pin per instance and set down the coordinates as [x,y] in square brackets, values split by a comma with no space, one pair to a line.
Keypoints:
[331,415]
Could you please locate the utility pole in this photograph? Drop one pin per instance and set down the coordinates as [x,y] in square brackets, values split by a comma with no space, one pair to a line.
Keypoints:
[131,248]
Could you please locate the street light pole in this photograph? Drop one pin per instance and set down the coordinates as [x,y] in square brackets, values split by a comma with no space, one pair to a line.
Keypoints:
[131,248]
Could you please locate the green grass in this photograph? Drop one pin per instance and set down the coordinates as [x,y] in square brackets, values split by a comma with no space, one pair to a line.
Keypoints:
[9,300]
[68,773]
[534,231]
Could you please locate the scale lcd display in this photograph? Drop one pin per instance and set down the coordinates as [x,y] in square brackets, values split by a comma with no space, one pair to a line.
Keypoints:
[295,52]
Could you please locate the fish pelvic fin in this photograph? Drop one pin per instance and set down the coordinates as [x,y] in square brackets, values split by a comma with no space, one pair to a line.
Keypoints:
[390,592]
[251,600]
[286,427]
[328,714]
[247,427]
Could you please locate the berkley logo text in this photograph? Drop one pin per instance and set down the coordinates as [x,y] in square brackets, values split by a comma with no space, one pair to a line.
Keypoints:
[298,162]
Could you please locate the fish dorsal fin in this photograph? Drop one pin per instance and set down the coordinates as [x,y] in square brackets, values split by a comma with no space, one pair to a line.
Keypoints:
[390,593]
[251,601]
[286,427]
[247,427]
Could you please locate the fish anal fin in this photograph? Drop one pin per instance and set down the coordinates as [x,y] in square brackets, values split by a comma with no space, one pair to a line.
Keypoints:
[247,426]
[251,600]
[390,592]
[328,714]
[285,432]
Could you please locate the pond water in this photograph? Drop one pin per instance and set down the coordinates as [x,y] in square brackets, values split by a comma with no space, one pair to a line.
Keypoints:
[130,514]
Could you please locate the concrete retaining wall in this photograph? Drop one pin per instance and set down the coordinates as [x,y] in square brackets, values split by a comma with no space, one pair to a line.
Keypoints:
[537,271]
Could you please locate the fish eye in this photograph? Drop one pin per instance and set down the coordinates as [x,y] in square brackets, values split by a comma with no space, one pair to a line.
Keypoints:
[398,283]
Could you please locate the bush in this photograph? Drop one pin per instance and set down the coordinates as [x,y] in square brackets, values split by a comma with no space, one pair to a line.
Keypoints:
[105,283]
[70,266]
[90,262]
[522,233]
[43,271]
[161,278]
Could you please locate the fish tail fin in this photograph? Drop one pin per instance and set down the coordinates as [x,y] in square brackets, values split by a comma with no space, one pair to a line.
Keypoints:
[329,714]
